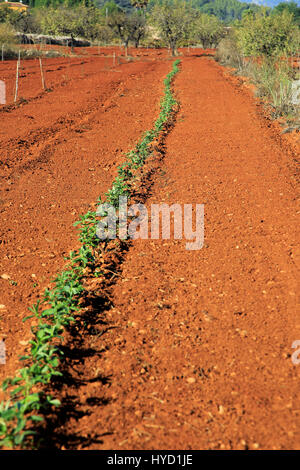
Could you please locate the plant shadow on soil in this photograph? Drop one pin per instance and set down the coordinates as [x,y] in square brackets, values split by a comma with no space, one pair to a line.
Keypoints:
[81,336]
[90,325]
[91,322]
[204,54]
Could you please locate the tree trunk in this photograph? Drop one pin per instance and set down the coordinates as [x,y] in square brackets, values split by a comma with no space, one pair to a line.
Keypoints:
[72,43]
[173,47]
[137,41]
[174,50]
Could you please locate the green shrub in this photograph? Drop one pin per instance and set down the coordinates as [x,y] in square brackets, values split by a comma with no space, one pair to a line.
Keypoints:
[274,80]
[7,35]
[269,36]
[208,30]
[174,20]
[80,21]
[227,53]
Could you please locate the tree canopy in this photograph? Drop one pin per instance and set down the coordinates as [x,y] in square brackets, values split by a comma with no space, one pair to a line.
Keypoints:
[268,35]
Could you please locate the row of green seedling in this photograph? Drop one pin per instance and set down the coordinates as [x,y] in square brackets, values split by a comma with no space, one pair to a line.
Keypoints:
[56,309]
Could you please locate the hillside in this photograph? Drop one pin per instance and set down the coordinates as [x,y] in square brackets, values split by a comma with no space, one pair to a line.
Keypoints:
[270,3]
[225,10]
[126,4]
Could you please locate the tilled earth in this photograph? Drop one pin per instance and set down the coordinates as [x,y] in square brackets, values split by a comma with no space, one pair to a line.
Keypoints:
[195,347]
[59,153]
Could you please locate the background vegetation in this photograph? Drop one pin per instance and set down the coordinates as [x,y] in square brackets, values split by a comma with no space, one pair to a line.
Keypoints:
[261,46]
[255,40]
[161,22]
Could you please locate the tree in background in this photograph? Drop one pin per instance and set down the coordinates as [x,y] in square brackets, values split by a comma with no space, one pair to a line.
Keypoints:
[179,22]
[124,5]
[128,27]
[79,21]
[225,10]
[174,20]
[139,4]
[7,15]
[7,34]
[208,30]
[291,7]
[24,22]
[269,36]
[136,27]
[109,8]
[117,22]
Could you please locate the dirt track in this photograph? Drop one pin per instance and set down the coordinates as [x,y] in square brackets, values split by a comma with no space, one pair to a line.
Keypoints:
[196,352]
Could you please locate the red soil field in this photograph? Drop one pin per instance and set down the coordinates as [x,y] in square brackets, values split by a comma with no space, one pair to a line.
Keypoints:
[59,153]
[60,71]
[196,345]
